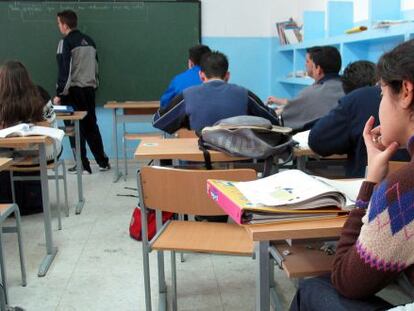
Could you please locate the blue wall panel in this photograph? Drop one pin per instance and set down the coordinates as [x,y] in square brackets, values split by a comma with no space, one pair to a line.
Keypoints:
[249,60]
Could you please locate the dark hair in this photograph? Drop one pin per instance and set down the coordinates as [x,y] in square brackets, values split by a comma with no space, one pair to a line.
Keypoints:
[327,57]
[69,18]
[358,74]
[397,65]
[196,53]
[20,100]
[214,65]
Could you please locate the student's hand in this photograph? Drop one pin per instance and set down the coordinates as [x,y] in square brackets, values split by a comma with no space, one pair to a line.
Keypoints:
[378,154]
[56,100]
[271,100]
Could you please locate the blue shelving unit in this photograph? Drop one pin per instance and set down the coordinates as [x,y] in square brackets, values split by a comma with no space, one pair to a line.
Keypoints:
[367,45]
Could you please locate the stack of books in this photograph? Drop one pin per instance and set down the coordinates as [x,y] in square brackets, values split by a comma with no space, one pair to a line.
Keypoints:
[291,195]
[289,32]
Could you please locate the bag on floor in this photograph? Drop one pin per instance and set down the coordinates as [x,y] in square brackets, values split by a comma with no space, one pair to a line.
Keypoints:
[135,229]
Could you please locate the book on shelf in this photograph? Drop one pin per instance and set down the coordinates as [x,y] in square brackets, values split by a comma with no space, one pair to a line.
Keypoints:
[289,32]
[63,109]
[286,196]
[24,129]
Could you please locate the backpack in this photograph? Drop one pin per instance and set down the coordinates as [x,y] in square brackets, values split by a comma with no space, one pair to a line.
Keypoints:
[247,136]
[135,229]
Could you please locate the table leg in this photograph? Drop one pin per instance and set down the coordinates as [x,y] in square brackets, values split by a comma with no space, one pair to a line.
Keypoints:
[81,199]
[117,173]
[50,249]
[301,163]
[262,276]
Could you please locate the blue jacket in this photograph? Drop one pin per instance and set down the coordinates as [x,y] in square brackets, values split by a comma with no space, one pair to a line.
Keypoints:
[179,83]
[203,105]
[340,132]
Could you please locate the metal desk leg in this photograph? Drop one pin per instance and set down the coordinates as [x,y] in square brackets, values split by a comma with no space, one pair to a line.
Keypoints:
[50,249]
[162,285]
[262,276]
[81,199]
[117,174]
[301,163]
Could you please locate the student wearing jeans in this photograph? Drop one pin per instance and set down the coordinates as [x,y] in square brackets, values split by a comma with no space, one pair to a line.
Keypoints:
[377,242]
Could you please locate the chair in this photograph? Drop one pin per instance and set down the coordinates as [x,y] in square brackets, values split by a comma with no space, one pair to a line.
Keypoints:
[5,211]
[184,192]
[26,166]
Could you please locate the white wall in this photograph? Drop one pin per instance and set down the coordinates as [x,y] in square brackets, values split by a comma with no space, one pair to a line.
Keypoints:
[407,5]
[256,18]
[244,18]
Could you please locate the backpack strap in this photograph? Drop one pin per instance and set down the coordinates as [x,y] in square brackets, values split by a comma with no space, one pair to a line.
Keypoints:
[206,153]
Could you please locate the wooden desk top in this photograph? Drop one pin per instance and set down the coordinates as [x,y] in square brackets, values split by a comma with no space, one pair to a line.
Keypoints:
[176,149]
[77,115]
[306,229]
[12,142]
[307,152]
[133,105]
[5,162]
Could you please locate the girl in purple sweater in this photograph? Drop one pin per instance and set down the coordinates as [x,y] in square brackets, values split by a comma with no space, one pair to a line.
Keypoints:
[377,242]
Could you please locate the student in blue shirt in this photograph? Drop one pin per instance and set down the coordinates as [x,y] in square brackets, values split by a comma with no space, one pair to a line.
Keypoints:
[187,78]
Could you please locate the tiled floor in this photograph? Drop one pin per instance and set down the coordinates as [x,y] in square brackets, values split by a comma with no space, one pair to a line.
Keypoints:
[99,267]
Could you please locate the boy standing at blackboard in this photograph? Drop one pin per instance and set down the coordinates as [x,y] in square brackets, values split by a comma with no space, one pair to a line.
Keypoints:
[77,80]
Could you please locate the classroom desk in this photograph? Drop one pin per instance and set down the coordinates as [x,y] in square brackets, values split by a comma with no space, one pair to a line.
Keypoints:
[41,141]
[132,111]
[76,117]
[5,163]
[262,234]
[185,149]
[303,153]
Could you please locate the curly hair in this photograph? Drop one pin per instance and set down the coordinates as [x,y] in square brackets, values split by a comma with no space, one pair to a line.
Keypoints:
[358,74]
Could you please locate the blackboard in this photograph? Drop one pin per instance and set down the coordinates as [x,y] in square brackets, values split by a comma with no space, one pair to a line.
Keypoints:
[141,45]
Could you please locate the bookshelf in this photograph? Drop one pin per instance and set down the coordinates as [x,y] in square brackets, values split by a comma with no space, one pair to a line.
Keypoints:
[367,45]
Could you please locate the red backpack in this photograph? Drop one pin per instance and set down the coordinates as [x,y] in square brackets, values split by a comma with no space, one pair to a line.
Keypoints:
[135,230]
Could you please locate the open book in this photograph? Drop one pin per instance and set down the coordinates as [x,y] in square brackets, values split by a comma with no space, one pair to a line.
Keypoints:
[289,195]
[25,129]
[295,189]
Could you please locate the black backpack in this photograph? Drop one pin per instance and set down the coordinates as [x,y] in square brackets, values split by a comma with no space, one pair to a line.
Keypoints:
[247,136]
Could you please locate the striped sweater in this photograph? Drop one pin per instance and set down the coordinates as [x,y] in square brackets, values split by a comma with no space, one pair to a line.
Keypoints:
[377,241]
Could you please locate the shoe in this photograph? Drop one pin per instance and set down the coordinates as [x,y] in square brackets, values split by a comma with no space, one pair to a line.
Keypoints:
[87,171]
[105,168]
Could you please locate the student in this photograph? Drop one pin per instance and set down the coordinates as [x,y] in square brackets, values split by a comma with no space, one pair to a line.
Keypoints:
[203,105]
[340,132]
[377,241]
[23,102]
[77,81]
[323,65]
[20,100]
[187,78]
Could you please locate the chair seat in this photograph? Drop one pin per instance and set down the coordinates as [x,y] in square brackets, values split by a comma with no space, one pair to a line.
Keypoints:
[305,259]
[26,167]
[136,136]
[205,237]
[4,208]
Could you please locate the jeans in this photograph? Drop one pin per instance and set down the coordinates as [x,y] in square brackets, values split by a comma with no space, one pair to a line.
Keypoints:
[318,294]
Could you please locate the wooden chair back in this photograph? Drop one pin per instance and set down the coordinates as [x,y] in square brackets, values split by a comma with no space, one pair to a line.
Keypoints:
[185,191]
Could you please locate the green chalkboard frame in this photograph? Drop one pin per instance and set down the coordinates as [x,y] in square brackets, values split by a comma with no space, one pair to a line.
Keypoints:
[141,44]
